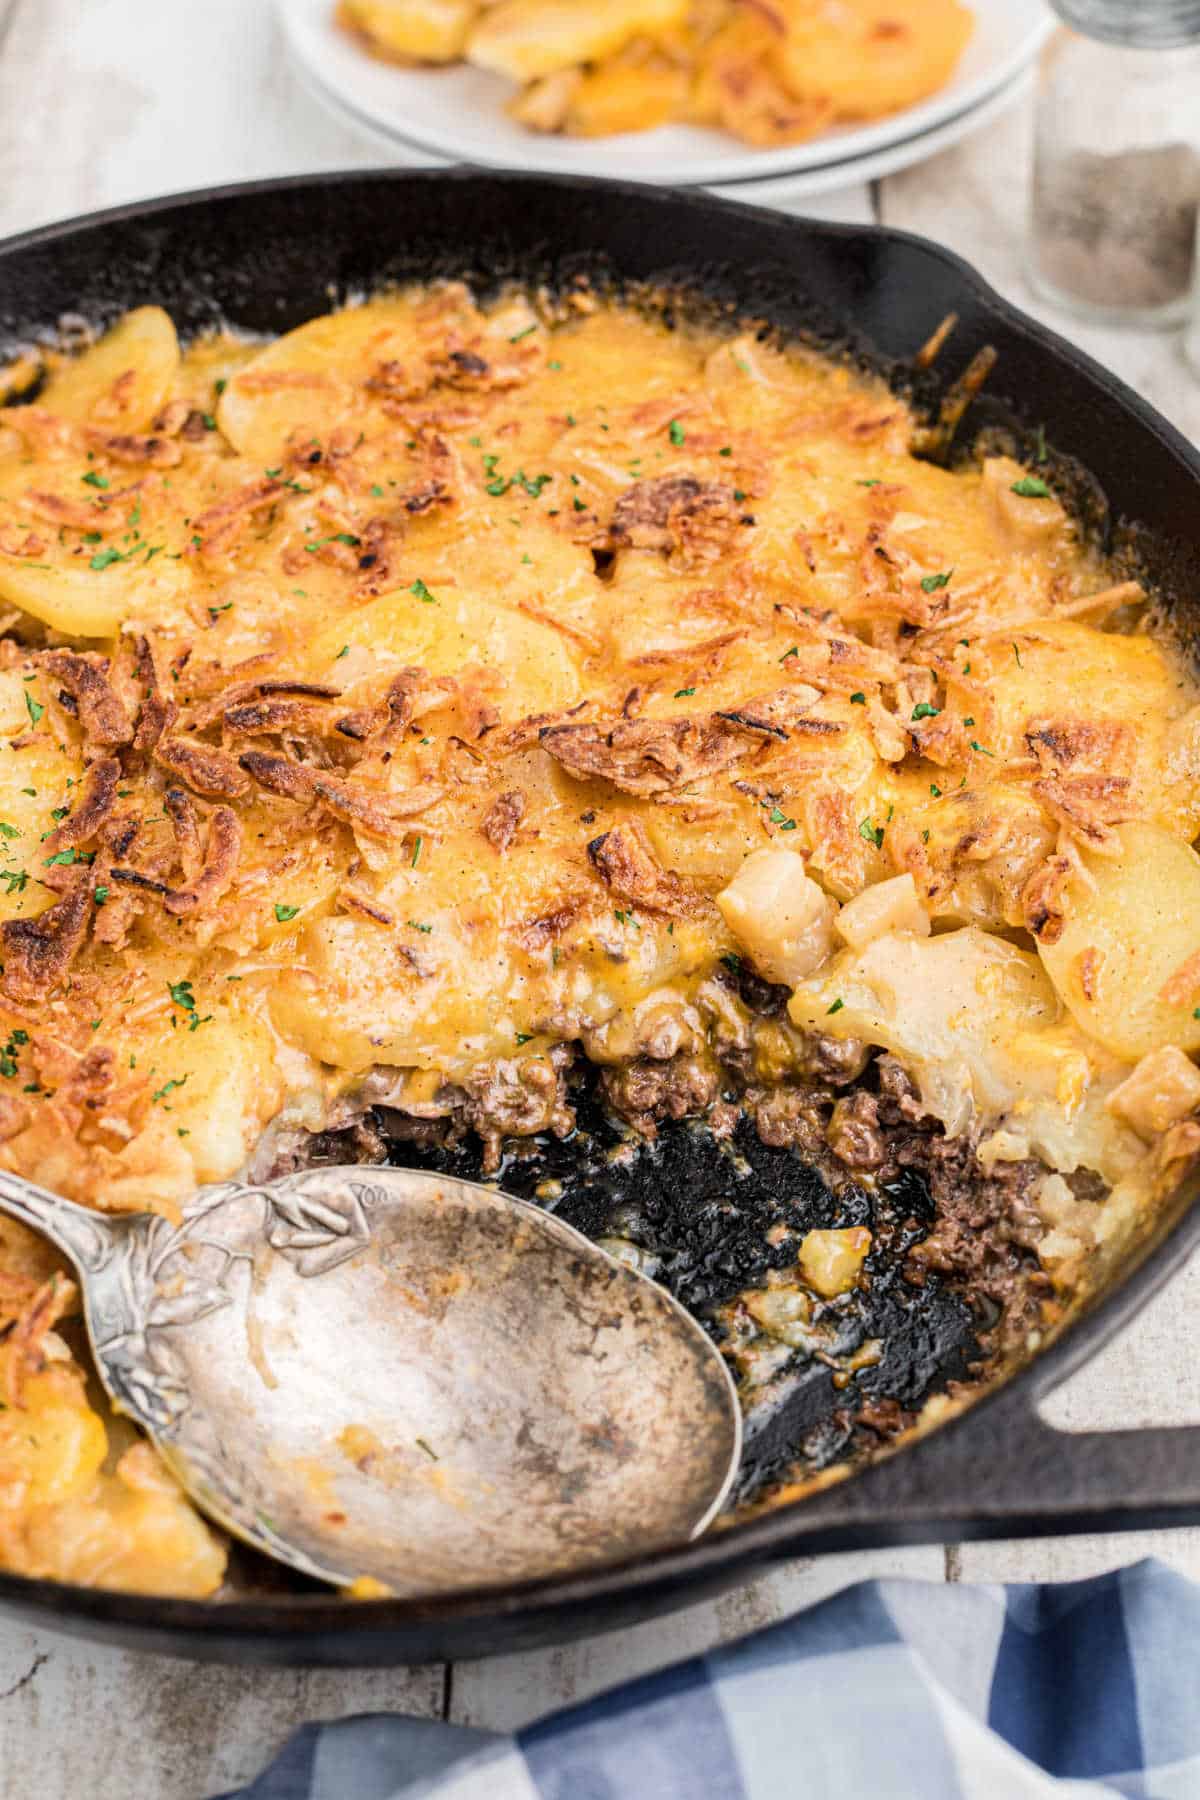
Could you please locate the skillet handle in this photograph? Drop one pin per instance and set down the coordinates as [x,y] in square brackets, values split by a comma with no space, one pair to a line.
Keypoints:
[1000,1471]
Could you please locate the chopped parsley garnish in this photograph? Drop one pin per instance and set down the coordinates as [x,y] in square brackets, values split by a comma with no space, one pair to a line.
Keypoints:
[15,880]
[873,482]
[624,917]
[104,559]
[871,834]
[219,386]
[284,913]
[968,721]
[344,651]
[10,831]
[210,424]
[676,433]
[168,1087]
[979,747]
[1016,652]
[422,592]
[95,480]
[524,1037]
[935,790]
[836,1007]
[416,855]
[33,708]
[528,332]
[182,995]
[931,583]
[431,1454]
[859,699]
[556,366]
[66,857]
[100,895]
[1031,487]
[417,926]
[923,710]
[727,451]
[1039,452]
[780,818]
[794,651]
[335,537]
[684,693]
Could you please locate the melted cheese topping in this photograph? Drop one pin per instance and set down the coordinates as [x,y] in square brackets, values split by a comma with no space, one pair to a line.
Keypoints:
[396,699]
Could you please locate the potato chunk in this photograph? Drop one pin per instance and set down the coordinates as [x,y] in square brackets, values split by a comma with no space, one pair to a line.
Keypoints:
[779,915]
[122,381]
[1164,1088]
[1131,930]
[830,1261]
[887,906]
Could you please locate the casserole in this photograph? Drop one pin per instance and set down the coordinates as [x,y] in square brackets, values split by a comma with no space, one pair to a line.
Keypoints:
[266,259]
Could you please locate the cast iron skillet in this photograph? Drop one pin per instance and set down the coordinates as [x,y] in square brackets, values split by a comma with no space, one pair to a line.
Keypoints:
[270,255]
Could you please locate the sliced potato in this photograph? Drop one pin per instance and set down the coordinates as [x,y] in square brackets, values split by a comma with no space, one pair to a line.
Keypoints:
[1131,929]
[122,381]
[454,632]
[86,602]
[525,39]
[313,373]
[870,57]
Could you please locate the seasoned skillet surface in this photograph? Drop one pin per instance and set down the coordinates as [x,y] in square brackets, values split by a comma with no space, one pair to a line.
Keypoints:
[269,259]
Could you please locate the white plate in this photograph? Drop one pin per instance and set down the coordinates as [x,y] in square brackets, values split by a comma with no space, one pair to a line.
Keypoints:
[458,113]
[784,191]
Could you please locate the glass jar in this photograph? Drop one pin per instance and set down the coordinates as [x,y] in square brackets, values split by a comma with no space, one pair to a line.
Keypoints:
[1116,167]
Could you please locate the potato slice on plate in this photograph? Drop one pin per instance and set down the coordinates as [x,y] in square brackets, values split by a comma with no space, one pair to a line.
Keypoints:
[313,374]
[1128,961]
[123,380]
[411,30]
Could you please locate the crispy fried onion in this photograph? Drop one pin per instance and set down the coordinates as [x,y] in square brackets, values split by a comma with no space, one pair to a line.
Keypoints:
[26,1342]
[499,824]
[1043,898]
[103,719]
[156,714]
[216,872]
[625,861]
[652,756]
[677,514]
[379,816]
[205,769]
[93,808]
[38,952]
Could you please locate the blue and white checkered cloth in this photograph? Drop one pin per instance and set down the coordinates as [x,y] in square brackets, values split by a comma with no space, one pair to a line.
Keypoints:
[892,1690]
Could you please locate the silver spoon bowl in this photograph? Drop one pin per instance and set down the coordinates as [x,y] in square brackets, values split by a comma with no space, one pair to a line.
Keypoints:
[387,1374]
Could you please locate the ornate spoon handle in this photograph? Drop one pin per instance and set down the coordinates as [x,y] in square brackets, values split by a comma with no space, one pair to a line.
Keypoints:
[87,1238]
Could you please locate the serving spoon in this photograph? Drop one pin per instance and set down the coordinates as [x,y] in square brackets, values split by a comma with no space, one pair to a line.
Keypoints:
[390,1375]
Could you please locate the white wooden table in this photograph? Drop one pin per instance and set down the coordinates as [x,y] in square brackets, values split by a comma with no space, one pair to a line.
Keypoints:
[108,100]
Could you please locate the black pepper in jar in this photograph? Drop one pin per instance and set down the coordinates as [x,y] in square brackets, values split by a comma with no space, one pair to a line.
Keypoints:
[1116,177]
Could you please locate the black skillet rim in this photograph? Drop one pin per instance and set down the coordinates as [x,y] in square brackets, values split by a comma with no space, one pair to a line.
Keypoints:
[661,1579]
